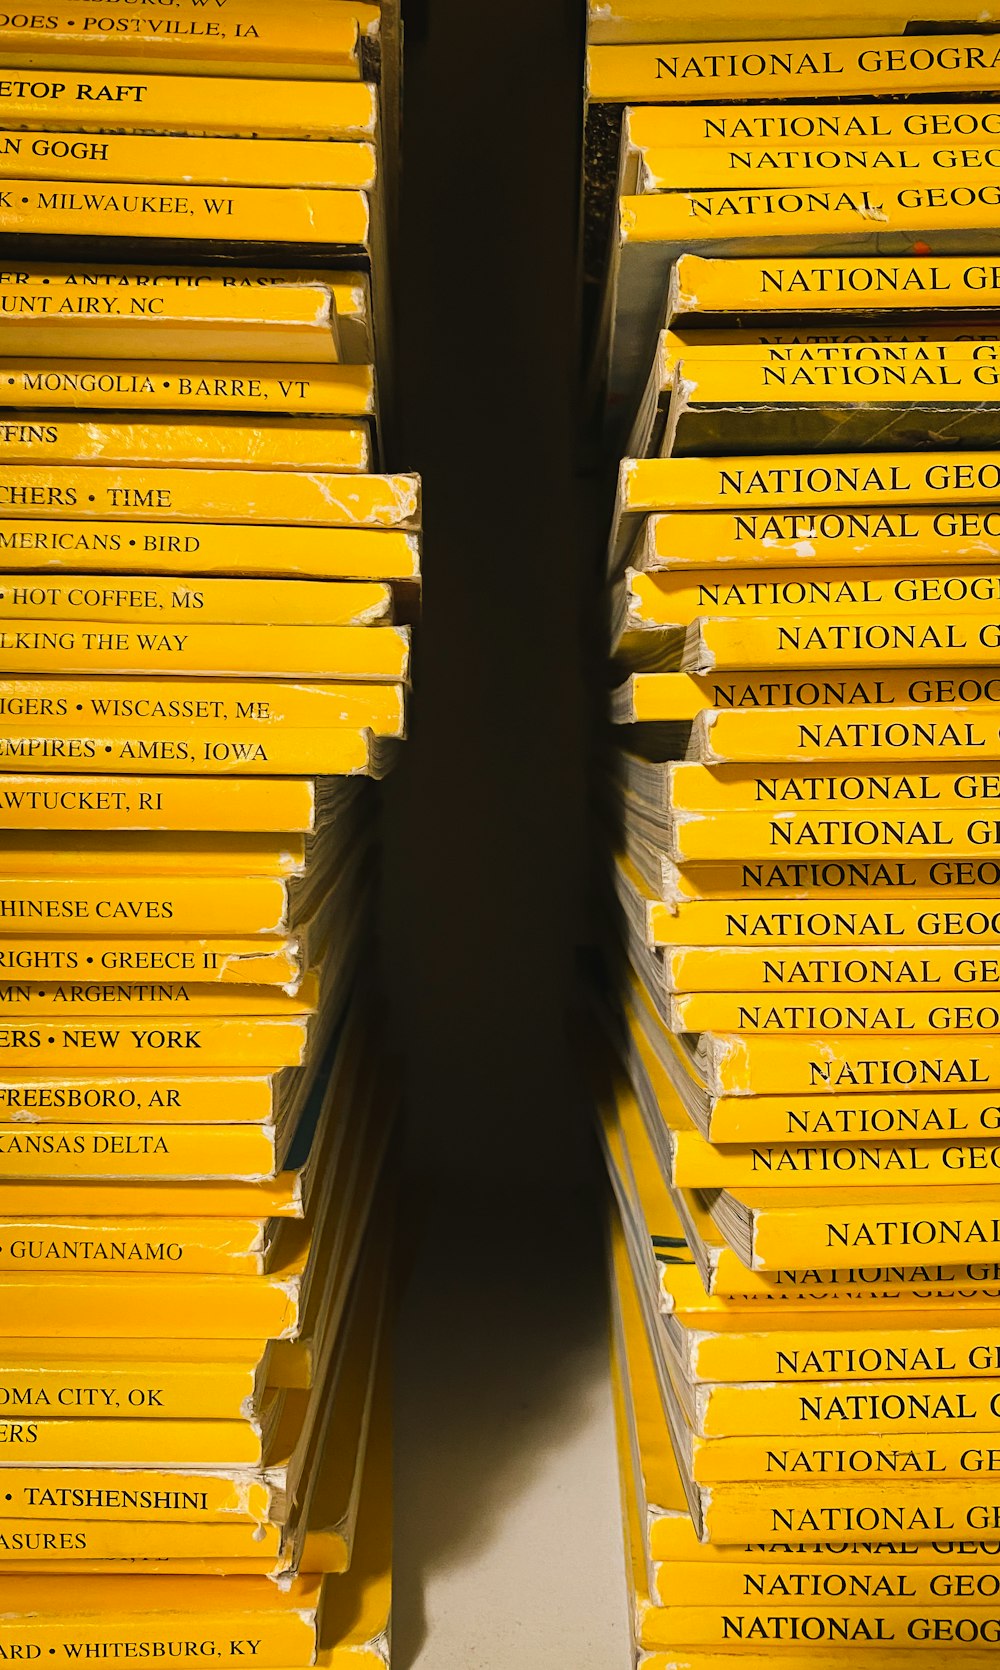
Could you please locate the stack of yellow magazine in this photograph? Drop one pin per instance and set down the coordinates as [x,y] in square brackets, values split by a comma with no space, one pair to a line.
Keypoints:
[206,579]
[795,341]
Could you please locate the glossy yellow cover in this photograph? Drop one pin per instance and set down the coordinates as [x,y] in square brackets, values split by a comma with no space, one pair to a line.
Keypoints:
[246,300]
[182,548]
[838,480]
[52,1442]
[955,730]
[333,501]
[209,904]
[787,163]
[57,208]
[204,1380]
[243,751]
[324,165]
[661,598]
[142,1040]
[701,287]
[41,852]
[39,802]
[689,696]
[43,318]
[213,443]
[94,1097]
[151,102]
[624,21]
[132,1148]
[95,1493]
[162,1247]
[744,70]
[698,788]
[133,707]
[226,1307]
[318,602]
[122,385]
[269,961]
[288,39]
[829,968]
[938,832]
[753,1066]
[33,646]
[101,1616]
[832,538]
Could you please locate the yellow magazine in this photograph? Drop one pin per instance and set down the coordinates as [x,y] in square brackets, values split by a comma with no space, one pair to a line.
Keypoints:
[182,548]
[321,444]
[294,324]
[686,696]
[49,385]
[324,165]
[266,961]
[157,103]
[213,496]
[679,787]
[93,804]
[704,289]
[242,751]
[721,968]
[622,22]
[129,1443]
[204,1380]
[832,539]
[142,1041]
[104,1615]
[276,303]
[661,600]
[33,646]
[171,1246]
[867,917]
[745,70]
[293,40]
[54,208]
[130,1148]
[830,394]
[744,1066]
[693,837]
[320,603]
[942,730]
[792,163]
[197,708]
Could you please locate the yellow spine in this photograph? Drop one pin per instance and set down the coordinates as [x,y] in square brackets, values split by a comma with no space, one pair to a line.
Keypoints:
[839,480]
[830,539]
[942,730]
[147,160]
[219,602]
[212,496]
[743,71]
[321,652]
[175,548]
[697,837]
[247,961]
[229,214]
[119,1307]
[41,802]
[49,1042]
[920,1513]
[129,1443]
[226,443]
[301,40]
[48,385]
[190,1099]
[175,104]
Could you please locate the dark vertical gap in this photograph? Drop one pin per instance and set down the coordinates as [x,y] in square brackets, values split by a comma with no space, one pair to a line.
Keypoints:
[486,817]
[487,839]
